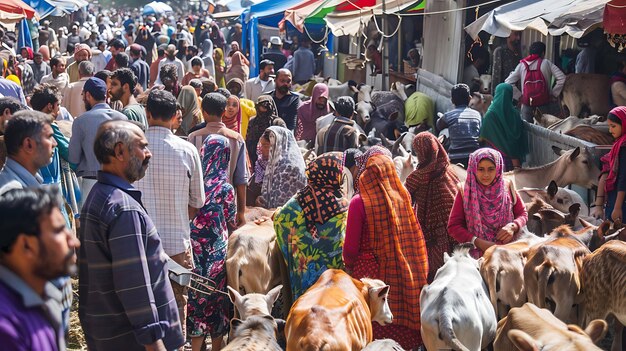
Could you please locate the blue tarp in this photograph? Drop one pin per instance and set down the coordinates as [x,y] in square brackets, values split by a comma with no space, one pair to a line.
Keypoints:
[268,13]
[43,8]
[23,37]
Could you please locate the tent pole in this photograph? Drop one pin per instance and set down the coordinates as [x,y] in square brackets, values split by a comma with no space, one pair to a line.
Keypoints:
[385,53]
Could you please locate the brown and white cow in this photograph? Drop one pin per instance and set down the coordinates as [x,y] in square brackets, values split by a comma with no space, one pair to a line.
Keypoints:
[604,282]
[552,273]
[336,313]
[530,328]
[257,333]
[543,218]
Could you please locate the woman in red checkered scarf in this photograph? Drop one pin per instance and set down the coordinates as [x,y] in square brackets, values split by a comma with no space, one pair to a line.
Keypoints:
[385,241]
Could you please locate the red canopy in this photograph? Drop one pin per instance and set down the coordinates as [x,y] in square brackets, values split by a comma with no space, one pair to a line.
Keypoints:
[615,17]
[17,7]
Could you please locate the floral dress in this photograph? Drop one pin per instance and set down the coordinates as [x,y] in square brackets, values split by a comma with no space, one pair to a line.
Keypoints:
[209,313]
[308,256]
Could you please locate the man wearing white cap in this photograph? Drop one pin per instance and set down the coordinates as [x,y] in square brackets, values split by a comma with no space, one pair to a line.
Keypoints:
[275,54]
[170,57]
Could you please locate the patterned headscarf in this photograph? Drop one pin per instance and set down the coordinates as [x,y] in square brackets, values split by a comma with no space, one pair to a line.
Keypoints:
[487,208]
[610,161]
[259,166]
[234,122]
[215,154]
[322,198]
[80,47]
[433,163]
[284,174]
[361,162]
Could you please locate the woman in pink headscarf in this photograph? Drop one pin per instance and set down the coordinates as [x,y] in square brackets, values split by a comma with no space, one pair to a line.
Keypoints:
[612,184]
[488,210]
[310,111]
[239,67]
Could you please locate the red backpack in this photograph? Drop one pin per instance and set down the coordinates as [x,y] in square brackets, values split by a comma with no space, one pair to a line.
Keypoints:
[535,90]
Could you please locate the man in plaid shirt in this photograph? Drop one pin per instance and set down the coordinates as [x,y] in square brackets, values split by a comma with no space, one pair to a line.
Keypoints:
[173,189]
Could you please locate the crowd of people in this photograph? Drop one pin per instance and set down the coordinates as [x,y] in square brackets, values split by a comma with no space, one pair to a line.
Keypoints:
[170,140]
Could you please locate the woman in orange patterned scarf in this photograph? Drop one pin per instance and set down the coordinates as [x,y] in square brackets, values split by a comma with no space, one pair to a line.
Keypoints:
[384,241]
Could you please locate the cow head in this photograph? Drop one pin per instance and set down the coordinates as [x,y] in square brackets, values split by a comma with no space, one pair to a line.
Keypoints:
[398,89]
[485,83]
[576,167]
[575,338]
[559,198]
[379,306]
[363,92]
[254,304]
[364,112]
[405,163]
[480,102]
[264,324]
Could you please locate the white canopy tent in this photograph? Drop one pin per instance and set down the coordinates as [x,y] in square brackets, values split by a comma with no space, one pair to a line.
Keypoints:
[553,17]
[156,7]
[353,22]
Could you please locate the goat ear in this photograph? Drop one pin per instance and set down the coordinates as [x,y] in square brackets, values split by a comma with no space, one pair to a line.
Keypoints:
[522,340]
[354,89]
[604,226]
[382,291]
[552,189]
[575,154]
[233,295]
[596,330]
[362,139]
[480,262]
[574,209]
[273,294]
[446,257]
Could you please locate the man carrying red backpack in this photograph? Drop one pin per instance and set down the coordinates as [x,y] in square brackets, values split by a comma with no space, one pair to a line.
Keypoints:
[535,76]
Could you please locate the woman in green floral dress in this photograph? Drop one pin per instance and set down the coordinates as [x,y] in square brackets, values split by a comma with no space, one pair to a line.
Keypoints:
[310,228]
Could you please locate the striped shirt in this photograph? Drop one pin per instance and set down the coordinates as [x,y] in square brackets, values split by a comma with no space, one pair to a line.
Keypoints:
[340,135]
[126,300]
[173,182]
